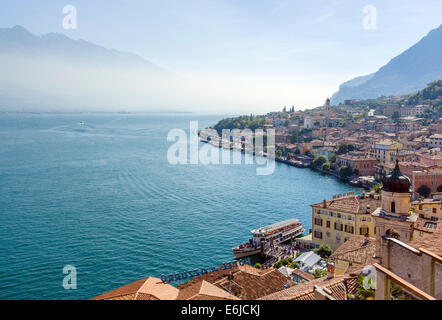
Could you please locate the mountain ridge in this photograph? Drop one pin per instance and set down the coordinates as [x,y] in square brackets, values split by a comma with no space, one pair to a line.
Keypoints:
[53,44]
[408,72]
[53,72]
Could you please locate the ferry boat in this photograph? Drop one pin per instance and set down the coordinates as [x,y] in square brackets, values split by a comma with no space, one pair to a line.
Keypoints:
[276,233]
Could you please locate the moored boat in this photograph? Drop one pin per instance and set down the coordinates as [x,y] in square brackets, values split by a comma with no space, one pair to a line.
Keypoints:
[276,233]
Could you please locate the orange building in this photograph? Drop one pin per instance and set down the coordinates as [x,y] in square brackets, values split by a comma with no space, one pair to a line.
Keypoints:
[430,178]
[361,165]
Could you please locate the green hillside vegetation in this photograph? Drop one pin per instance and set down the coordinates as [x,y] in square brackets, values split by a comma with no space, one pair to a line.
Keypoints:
[432,92]
[242,122]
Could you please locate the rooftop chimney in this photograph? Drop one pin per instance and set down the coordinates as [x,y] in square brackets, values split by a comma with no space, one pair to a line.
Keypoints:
[324,204]
[330,270]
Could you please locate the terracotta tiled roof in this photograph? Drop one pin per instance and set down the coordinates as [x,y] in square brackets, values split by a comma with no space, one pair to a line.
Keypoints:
[303,274]
[350,204]
[428,226]
[249,282]
[257,284]
[432,242]
[145,289]
[126,292]
[386,142]
[357,249]
[204,290]
[339,286]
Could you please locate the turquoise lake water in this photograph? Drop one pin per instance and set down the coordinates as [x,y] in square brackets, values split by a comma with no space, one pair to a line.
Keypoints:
[103,198]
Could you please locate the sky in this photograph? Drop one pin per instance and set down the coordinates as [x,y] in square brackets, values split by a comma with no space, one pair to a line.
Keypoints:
[271,53]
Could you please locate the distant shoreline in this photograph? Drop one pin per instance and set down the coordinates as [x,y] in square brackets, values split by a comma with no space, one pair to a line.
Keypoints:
[94,112]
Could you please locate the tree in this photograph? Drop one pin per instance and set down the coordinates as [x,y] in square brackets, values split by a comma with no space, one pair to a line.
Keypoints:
[326,166]
[396,292]
[342,149]
[319,161]
[396,116]
[345,147]
[258,265]
[277,265]
[279,153]
[318,273]
[377,188]
[345,172]
[439,189]
[424,191]
[364,293]
[324,251]
[294,137]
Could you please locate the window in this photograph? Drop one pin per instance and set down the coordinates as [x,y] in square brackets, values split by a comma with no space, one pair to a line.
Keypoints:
[328,224]
[393,207]
[338,226]
[434,210]
[430,225]
[318,234]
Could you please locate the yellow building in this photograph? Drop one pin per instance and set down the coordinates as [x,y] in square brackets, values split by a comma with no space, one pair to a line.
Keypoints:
[430,217]
[335,221]
[382,150]
[430,209]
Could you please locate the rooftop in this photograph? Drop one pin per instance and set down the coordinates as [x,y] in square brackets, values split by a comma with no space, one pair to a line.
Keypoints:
[351,204]
[356,157]
[204,290]
[249,282]
[303,274]
[339,286]
[427,226]
[357,249]
[309,258]
[432,242]
[386,142]
[145,289]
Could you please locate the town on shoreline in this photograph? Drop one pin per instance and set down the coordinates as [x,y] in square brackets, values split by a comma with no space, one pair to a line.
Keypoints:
[358,141]
[382,244]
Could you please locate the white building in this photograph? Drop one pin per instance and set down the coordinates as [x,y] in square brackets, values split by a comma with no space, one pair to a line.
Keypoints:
[308,123]
[435,141]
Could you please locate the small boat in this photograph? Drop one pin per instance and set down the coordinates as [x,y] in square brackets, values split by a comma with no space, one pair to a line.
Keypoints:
[276,233]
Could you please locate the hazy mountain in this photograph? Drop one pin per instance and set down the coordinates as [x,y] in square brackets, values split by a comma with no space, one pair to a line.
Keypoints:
[19,41]
[408,72]
[53,72]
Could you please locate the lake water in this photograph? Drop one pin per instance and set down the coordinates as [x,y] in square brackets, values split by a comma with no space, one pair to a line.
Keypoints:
[102,197]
